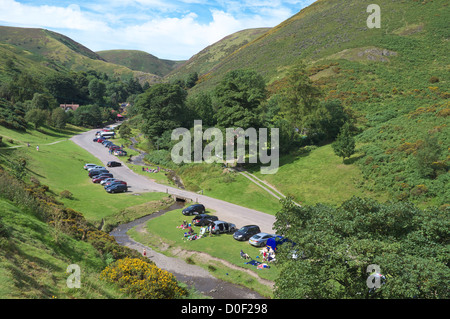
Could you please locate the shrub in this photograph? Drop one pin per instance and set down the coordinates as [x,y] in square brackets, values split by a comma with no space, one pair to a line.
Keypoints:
[66,194]
[143,280]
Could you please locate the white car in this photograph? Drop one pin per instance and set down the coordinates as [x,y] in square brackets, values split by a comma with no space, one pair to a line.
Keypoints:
[107,180]
[88,166]
[96,167]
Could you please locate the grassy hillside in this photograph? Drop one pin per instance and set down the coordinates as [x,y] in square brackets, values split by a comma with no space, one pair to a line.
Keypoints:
[39,51]
[140,61]
[33,264]
[206,60]
[329,27]
[393,80]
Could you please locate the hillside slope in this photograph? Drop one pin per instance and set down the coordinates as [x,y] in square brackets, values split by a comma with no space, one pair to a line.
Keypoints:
[140,61]
[328,27]
[40,50]
[206,60]
[393,81]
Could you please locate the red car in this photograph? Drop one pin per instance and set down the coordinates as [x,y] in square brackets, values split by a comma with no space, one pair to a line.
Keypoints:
[98,179]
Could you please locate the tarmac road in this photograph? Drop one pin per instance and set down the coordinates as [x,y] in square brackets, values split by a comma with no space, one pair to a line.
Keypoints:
[238,215]
[192,275]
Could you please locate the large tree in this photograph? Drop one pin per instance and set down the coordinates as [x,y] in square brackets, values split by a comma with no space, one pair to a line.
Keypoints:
[344,146]
[237,98]
[162,107]
[337,248]
[301,100]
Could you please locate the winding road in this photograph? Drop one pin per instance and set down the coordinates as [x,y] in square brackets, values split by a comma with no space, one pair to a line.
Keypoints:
[236,214]
[192,275]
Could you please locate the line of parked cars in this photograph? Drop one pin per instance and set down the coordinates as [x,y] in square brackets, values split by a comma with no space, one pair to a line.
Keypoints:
[251,233]
[117,150]
[101,175]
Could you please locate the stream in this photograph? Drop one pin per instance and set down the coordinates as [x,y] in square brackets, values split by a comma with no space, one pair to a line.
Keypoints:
[194,276]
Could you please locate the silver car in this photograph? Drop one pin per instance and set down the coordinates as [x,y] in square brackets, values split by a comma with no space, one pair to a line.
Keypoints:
[260,239]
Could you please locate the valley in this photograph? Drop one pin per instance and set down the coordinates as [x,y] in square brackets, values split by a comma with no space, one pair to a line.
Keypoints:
[363,147]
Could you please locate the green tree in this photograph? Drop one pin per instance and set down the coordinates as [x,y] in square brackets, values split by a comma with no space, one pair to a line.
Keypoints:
[162,107]
[334,247]
[44,101]
[62,88]
[344,146]
[97,90]
[426,155]
[59,118]
[237,98]
[37,116]
[301,99]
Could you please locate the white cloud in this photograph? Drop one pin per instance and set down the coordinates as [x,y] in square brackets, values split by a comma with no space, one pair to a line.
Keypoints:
[174,29]
[45,16]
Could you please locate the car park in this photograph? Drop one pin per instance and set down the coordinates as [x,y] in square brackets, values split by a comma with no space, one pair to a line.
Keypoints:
[113,164]
[194,209]
[260,239]
[244,233]
[203,219]
[220,227]
[116,188]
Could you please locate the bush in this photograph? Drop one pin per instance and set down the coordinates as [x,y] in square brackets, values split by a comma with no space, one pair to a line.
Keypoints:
[143,280]
[66,194]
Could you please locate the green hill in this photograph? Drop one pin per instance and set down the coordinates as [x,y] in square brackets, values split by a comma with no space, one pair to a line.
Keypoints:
[140,61]
[392,80]
[39,51]
[206,60]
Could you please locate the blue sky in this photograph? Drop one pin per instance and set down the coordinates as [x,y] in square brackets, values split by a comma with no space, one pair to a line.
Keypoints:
[173,29]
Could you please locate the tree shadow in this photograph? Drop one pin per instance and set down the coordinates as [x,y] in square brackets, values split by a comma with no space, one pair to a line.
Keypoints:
[353,159]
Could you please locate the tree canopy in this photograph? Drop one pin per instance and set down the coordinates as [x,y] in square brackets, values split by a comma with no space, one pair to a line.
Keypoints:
[334,247]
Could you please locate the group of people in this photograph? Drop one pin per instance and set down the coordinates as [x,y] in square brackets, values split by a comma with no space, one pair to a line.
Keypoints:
[145,169]
[268,254]
[190,234]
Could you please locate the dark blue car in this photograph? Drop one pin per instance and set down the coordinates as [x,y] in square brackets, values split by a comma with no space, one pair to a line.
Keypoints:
[117,188]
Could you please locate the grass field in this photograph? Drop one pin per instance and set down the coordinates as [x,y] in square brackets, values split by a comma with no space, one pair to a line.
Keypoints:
[319,177]
[163,235]
[60,166]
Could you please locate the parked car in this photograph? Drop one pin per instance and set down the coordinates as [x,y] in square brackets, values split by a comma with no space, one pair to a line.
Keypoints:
[113,164]
[203,219]
[260,239]
[244,233]
[103,182]
[220,227]
[117,188]
[99,178]
[96,167]
[99,140]
[96,172]
[120,153]
[194,210]
[89,165]
[107,184]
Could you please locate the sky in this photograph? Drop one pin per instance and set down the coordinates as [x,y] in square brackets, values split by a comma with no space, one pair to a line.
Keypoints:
[170,29]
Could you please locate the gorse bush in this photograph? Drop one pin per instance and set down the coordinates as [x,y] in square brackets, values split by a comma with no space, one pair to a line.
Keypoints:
[143,280]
